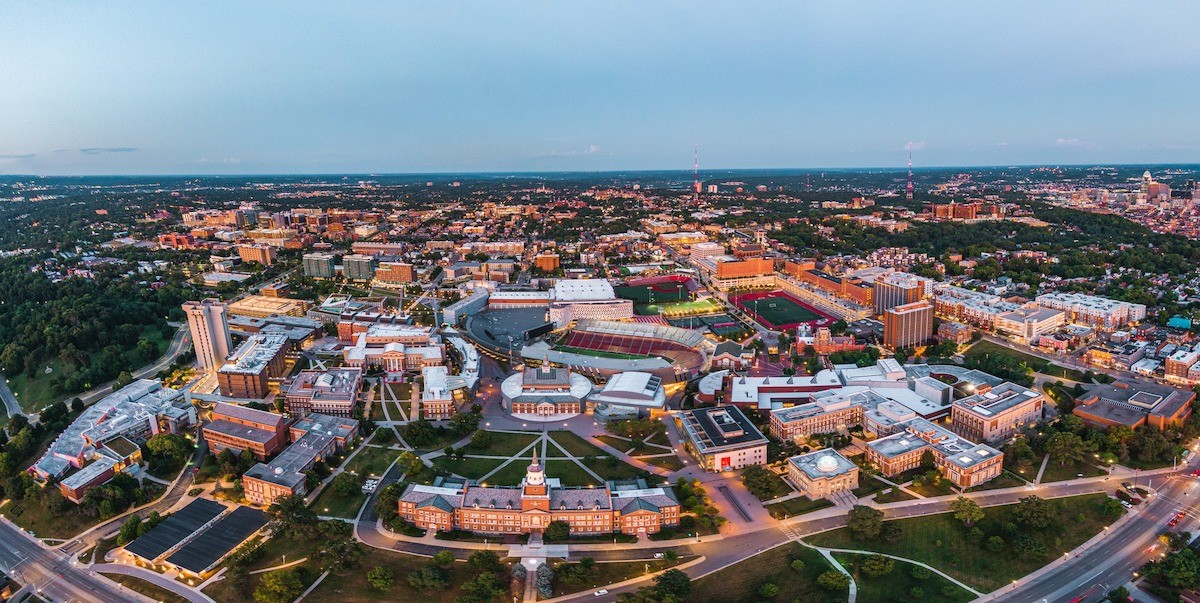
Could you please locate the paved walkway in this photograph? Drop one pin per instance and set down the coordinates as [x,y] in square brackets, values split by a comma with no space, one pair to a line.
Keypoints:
[154,578]
[827,554]
[1042,469]
[906,560]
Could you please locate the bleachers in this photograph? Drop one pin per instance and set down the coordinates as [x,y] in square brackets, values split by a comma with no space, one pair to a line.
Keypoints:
[642,339]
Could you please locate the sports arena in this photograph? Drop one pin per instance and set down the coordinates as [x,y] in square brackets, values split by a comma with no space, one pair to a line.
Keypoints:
[607,347]
[658,289]
[780,311]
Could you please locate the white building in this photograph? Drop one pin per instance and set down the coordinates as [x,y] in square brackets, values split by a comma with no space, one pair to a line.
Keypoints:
[576,299]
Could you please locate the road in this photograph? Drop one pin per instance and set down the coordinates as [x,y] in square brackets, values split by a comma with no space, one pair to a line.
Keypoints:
[1112,561]
[51,572]
[11,407]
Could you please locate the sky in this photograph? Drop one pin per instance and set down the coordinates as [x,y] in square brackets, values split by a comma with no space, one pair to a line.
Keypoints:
[398,87]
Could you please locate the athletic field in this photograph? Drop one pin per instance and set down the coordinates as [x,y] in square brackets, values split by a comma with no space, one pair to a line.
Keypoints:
[780,311]
[683,308]
[640,294]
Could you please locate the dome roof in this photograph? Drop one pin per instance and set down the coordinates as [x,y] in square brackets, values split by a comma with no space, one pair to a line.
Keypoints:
[827,464]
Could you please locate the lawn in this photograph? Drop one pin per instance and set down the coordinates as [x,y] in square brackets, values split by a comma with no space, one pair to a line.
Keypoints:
[468,467]
[331,504]
[504,443]
[868,485]
[943,488]
[144,587]
[1040,365]
[893,586]
[777,310]
[1007,479]
[640,294]
[597,353]
[574,444]
[610,573]
[1057,473]
[739,583]
[511,474]
[683,308]
[670,462]
[352,587]
[619,443]
[372,460]
[941,541]
[607,469]
[570,474]
[797,506]
[894,495]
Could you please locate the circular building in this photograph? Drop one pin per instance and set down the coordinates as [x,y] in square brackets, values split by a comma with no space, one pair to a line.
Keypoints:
[546,393]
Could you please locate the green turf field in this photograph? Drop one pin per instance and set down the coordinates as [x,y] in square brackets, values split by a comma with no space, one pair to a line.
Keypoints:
[781,311]
[700,306]
[641,294]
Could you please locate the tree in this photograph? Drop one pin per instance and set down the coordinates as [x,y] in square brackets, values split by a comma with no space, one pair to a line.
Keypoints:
[1034,512]
[481,440]
[768,590]
[338,549]
[920,573]
[289,514]
[797,565]
[674,582]
[878,565]
[129,530]
[557,531]
[891,532]
[380,578]
[1065,447]
[1029,546]
[761,482]
[410,464]
[345,484]
[483,588]
[833,580]
[966,510]
[865,523]
[420,432]
[928,461]
[994,544]
[1180,570]
[1119,594]
[428,578]
[443,558]
[487,561]
[279,586]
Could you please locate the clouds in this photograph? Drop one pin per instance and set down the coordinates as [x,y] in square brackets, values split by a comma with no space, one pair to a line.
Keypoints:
[103,150]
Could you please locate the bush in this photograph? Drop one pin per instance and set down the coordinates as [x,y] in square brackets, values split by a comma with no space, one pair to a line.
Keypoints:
[380,578]
[833,580]
[920,573]
[878,565]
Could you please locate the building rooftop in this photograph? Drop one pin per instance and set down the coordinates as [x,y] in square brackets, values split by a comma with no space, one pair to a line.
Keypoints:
[997,400]
[253,355]
[720,427]
[822,463]
[576,289]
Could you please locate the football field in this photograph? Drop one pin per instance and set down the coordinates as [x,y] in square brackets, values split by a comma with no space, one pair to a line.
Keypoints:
[779,311]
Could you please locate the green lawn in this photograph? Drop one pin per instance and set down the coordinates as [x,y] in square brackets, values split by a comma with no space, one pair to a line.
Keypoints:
[868,485]
[574,444]
[605,468]
[331,504]
[372,460]
[797,506]
[610,573]
[144,587]
[894,495]
[468,467]
[941,541]
[619,443]
[352,586]
[1007,479]
[739,583]
[1057,473]
[683,308]
[570,474]
[670,463]
[898,585]
[511,474]
[943,488]
[1040,365]
[504,443]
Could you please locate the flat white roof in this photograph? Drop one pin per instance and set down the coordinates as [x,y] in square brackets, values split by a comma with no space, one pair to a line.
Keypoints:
[582,289]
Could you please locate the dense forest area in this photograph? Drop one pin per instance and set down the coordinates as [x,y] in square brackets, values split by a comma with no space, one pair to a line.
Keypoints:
[86,325]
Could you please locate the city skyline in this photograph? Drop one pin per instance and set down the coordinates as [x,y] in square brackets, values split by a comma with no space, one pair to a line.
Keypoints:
[143,89]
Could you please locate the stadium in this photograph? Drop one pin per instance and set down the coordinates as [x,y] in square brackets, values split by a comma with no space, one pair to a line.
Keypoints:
[658,289]
[780,311]
[604,348]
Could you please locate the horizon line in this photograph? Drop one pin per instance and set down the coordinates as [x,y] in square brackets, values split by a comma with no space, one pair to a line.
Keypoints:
[687,170]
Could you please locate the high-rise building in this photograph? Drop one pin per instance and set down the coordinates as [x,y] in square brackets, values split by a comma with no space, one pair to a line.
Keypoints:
[358,267]
[900,288]
[210,332]
[320,265]
[908,325]
[263,254]
[395,272]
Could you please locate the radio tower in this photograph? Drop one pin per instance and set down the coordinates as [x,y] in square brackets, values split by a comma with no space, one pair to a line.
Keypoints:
[696,175]
[908,190]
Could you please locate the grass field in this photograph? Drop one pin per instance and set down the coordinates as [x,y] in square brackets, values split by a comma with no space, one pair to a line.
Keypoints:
[894,495]
[797,506]
[941,541]
[609,573]
[640,294]
[1004,480]
[597,353]
[779,310]
[1039,365]
[504,443]
[570,474]
[144,587]
[739,583]
[1057,473]
[868,485]
[352,587]
[372,460]
[682,308]
[331,504]
[670,463]
[574,444]
[468,467]
[900,583]
[511,474]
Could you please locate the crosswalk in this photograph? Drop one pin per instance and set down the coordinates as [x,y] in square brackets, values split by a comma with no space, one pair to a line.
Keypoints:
[787,530]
